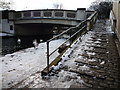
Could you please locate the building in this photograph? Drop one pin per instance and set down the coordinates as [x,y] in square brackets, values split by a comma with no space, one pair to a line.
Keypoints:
[6,23]
[115,22]
[115,18]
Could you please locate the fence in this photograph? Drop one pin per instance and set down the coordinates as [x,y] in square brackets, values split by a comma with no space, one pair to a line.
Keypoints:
[74,33]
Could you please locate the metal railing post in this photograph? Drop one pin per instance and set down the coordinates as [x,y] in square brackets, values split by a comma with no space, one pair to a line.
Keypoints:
[48,56]
[88,25]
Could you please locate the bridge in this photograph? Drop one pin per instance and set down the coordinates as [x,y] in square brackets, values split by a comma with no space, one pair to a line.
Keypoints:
[34,22]
[101,62]
[56,16]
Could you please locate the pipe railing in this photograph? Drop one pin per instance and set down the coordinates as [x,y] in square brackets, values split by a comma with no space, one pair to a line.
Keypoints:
[74,33]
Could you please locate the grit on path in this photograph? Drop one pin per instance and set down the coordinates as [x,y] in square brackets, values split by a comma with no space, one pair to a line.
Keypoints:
[94,63]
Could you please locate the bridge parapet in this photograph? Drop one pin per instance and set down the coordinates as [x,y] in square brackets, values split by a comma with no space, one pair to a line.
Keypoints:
[78,14]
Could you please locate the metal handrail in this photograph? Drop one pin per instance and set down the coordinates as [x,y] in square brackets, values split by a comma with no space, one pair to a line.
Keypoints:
[70,29]
[80,28]
[68,39]
[66,31]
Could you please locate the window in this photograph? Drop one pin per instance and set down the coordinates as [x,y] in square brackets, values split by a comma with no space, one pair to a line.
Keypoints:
[11,27]
[27,14]
[36,14]
[71,15]
[47,14]
[18,15]
[59,14]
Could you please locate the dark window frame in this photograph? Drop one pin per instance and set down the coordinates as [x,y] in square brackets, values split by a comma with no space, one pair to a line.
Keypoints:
[11,27]
[47,14]
[71,15]
[58,14]
[36,14]
[27,14]
[18,15]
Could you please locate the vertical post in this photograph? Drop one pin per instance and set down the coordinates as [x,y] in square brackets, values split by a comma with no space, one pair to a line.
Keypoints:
[64,14]
[32,14]
[70,37]
[53,14]
[42,13]
[114,25]
[48,56]
[88,25]
[22,15]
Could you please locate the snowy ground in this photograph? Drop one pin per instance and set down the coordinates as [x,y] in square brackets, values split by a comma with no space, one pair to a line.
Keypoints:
[20,65]
[5,34]
[63,78]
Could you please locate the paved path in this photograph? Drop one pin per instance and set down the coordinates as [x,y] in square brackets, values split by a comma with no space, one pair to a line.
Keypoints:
[105,70]
[93,64]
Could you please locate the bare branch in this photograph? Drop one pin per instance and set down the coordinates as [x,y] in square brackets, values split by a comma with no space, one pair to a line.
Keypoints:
[57,6]
[6,4]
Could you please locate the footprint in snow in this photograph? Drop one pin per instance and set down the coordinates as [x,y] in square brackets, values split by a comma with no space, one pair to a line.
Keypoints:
[12,56]
[11,70]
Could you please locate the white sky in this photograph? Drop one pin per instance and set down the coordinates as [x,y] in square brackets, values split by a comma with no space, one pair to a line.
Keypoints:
[44,4]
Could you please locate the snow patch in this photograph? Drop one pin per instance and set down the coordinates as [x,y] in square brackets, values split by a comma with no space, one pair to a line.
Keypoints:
[103,62]
[91,60]
[84,68]
[66,55]
[91,53]
[97,42]
[20,65]
[80,57]
[65,79]
[99,39]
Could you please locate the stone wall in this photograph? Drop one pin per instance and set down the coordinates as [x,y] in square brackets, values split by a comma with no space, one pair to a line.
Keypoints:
[116,12]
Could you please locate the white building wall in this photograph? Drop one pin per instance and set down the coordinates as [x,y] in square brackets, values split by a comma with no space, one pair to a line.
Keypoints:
[116,12]
[6,23]
[0,21]
[0,26]
[6,26]
[11,23]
